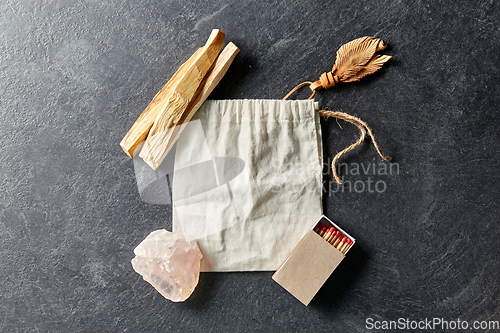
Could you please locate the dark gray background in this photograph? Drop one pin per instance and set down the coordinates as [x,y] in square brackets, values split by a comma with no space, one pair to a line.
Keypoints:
[75,74]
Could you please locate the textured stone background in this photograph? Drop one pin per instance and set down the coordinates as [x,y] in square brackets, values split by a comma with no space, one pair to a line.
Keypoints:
[75,74]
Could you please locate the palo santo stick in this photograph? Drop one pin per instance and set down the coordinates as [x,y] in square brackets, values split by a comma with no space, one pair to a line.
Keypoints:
[139,131]
[154,150]
[210,81]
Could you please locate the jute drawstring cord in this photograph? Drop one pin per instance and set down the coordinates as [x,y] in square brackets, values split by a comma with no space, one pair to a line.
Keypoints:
[363,128]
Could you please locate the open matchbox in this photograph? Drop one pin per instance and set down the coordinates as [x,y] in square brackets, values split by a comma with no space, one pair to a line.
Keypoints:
[310,263]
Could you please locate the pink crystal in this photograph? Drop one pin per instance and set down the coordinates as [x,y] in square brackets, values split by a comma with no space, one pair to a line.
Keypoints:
[170,262]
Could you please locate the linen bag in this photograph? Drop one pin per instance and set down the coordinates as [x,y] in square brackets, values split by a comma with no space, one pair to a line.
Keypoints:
[247,181]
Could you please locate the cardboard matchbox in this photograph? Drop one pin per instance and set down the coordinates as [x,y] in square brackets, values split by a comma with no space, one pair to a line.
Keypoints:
[310,264]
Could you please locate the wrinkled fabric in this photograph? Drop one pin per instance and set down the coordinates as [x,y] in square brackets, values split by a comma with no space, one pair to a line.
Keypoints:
[247,181]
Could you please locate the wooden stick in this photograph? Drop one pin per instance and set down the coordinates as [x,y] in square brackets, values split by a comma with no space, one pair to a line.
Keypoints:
[140,129]
[154,150]
[209,83]
[142,126]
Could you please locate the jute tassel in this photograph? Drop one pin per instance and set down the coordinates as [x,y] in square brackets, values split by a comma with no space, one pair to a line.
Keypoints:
[354,61]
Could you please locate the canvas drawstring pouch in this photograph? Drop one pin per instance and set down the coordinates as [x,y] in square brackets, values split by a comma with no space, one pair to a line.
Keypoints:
[259,184]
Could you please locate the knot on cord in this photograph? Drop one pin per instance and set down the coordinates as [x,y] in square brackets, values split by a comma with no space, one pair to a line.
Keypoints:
[326,81]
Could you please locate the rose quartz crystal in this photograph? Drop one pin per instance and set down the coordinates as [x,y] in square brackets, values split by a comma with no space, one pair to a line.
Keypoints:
[170,262]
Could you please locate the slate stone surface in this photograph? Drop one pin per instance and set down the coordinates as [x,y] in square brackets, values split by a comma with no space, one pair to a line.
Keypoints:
[75,74]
